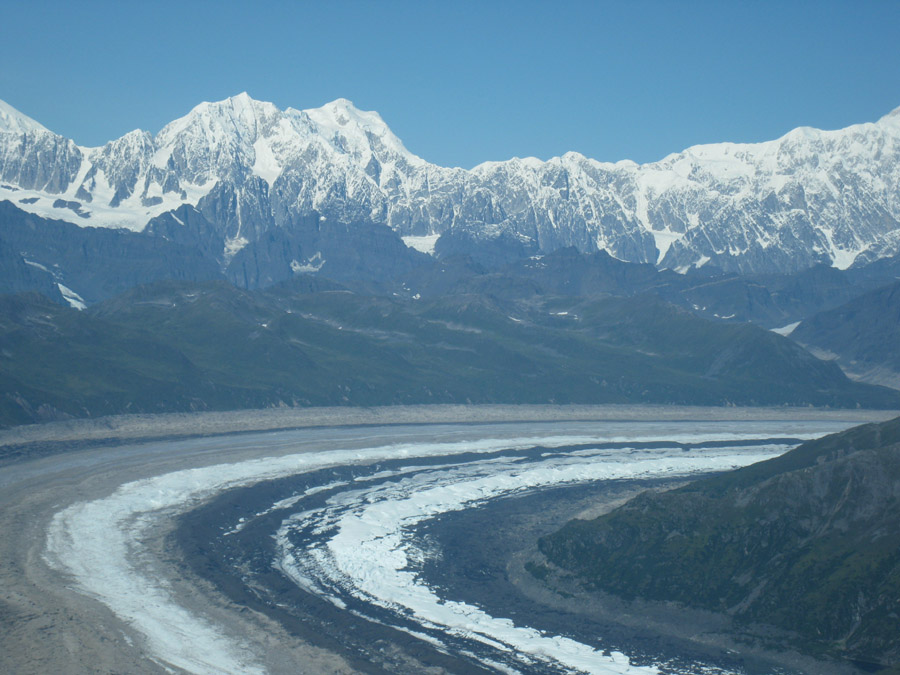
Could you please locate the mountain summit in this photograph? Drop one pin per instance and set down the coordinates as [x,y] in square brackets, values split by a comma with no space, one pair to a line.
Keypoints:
[14,122]
[808,198]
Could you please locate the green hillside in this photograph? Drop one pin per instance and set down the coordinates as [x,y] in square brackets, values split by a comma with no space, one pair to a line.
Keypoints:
[190,346]
[808,542]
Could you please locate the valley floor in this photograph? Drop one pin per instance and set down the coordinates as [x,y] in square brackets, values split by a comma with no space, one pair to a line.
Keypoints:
[48,627]
[142,428]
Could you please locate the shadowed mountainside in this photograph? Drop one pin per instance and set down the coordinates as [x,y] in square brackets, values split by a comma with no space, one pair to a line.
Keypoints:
[863,335]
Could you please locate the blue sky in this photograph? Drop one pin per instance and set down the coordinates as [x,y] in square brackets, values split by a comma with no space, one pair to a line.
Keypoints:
[464,82]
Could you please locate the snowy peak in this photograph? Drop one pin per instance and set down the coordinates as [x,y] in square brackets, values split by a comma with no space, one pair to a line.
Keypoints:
[806,198]
[219,122]
[13,121]
[357,129]
[215,141]
[223,139]
[134,143]
[341,114]
[892,118]
[33,157]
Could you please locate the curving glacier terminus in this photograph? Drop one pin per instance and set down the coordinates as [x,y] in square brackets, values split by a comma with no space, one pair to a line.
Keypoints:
[809,197]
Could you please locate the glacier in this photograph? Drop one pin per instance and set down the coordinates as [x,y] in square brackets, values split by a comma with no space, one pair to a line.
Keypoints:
[100,543]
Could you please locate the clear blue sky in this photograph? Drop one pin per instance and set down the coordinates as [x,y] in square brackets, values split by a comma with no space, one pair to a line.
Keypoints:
[463,82]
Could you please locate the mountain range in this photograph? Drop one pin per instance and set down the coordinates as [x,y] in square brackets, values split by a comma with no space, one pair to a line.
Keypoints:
[239,203]
[253,172]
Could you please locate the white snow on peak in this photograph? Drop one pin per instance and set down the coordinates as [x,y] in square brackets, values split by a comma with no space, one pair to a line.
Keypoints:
[892,118]
[531,162]
[134,143]
[209,127]
[243,99]
[572,156]
[834,188]
[342,118]
[341,112]
[11,120]
[515,163]
[220,118]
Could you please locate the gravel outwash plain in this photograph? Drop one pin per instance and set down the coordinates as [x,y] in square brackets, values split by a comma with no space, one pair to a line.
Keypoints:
[144,427]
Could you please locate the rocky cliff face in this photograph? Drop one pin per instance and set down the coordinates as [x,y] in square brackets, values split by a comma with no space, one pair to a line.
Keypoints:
[809,197]
[84,265]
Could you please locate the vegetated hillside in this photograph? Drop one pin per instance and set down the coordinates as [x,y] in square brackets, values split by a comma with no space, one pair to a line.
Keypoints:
[864,335]
[770,301]
[808,542]
[185,346]
[57,361]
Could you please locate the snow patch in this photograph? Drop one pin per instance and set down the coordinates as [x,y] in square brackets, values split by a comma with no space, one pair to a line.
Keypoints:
[786,330]
[425,243]
[663,240]
[266,165]
[233,246]
[75,301]
[842,258]
[37,265]
[308,266]
[131,214]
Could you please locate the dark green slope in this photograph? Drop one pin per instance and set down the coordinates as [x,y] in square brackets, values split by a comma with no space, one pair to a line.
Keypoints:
[185,346]
[56,360]
[808,542]
[770,301]
[756,365]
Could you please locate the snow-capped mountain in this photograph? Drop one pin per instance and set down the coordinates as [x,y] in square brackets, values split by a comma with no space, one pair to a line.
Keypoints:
[250,169]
